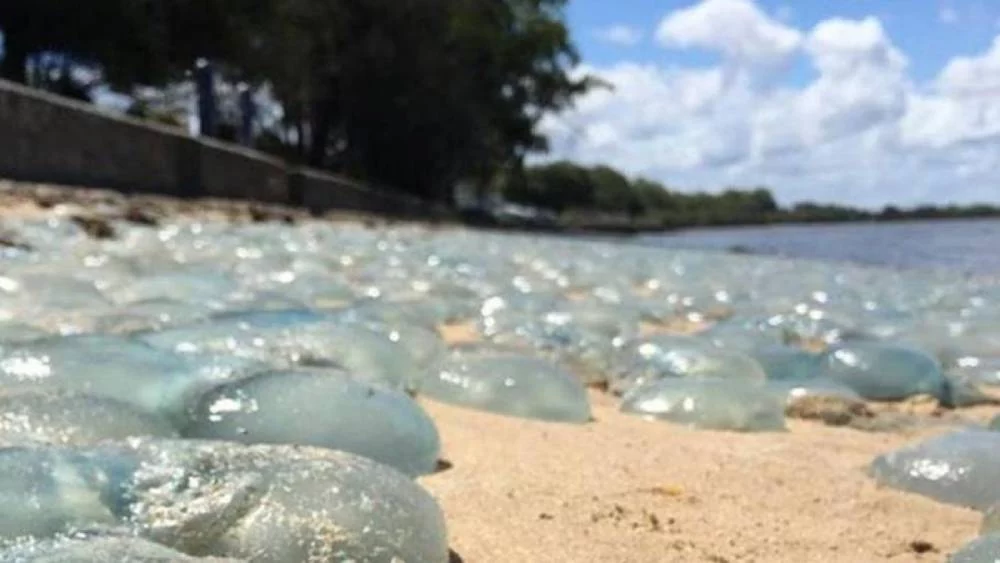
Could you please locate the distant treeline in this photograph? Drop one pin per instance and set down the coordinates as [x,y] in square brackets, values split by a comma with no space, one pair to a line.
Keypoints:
[601,194]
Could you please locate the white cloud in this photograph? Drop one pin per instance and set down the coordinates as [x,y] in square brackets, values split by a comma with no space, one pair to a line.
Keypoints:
[861,81]
[620,34]
[963,106]
[973,76]
[861,131]
[745,36]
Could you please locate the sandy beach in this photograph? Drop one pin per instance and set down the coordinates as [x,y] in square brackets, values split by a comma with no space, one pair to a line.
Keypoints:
[630,490]
[623,489]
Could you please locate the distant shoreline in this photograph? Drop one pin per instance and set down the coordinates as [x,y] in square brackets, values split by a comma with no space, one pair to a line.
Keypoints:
[39,196]
[779,224]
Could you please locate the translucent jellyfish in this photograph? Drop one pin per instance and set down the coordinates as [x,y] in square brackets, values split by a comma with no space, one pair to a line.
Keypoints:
[424,345]
[787,363]
[120,368]
[55,416]
[885,372]
[366,354]
[585,333]
[279,503]
[664,356]
[426,312]
[994,424]
[991,521]
[956,468]
[500,313]
[221,368]
[980,370]
[701,302]
[98,548]
[419,337]
[201,287]
[318,290]
[49,491]
[708,404]
[980,337]
[36,292]
[265,503]
[937,332]
[604,319]
[386,352]
[232,333]
[11,332]
[320,409]
[148,315]
[50,233]
[586,348]
[984,549]
[505,382]
[816,324]
[963,391]
[744,334]
[299,338]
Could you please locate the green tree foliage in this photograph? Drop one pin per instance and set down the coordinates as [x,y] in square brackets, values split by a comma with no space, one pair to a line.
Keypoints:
[602,190]
[134,41]
[420,93]
[559,187]
[372,82]
[612,191]
[603,197]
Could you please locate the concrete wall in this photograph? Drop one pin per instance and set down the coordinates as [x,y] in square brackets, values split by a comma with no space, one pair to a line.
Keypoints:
[48,139]
[235,172]
[320,191]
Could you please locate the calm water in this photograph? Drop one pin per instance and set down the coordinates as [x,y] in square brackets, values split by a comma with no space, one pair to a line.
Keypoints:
[971,246]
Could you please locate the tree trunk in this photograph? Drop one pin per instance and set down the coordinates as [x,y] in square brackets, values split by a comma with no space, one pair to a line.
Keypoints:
[321,125]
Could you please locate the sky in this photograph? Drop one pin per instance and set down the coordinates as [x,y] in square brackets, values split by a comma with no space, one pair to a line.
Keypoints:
[862,102]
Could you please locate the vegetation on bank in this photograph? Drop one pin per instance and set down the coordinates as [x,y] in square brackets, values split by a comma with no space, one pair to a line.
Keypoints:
[598,195]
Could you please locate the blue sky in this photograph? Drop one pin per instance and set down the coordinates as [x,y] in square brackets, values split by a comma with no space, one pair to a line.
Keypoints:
[921,28]
[859,101]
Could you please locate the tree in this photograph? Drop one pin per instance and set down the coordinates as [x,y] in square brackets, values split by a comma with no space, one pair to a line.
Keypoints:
[559,186]
[762,201]
[133,41]
[891,212]
[654,195]
[418,94]
[70,28]
[517,56]
[612,191]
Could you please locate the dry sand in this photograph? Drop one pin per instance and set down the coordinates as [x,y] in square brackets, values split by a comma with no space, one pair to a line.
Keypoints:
[622,489]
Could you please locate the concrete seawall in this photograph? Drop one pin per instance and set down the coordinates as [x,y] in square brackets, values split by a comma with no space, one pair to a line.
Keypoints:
[46,138]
